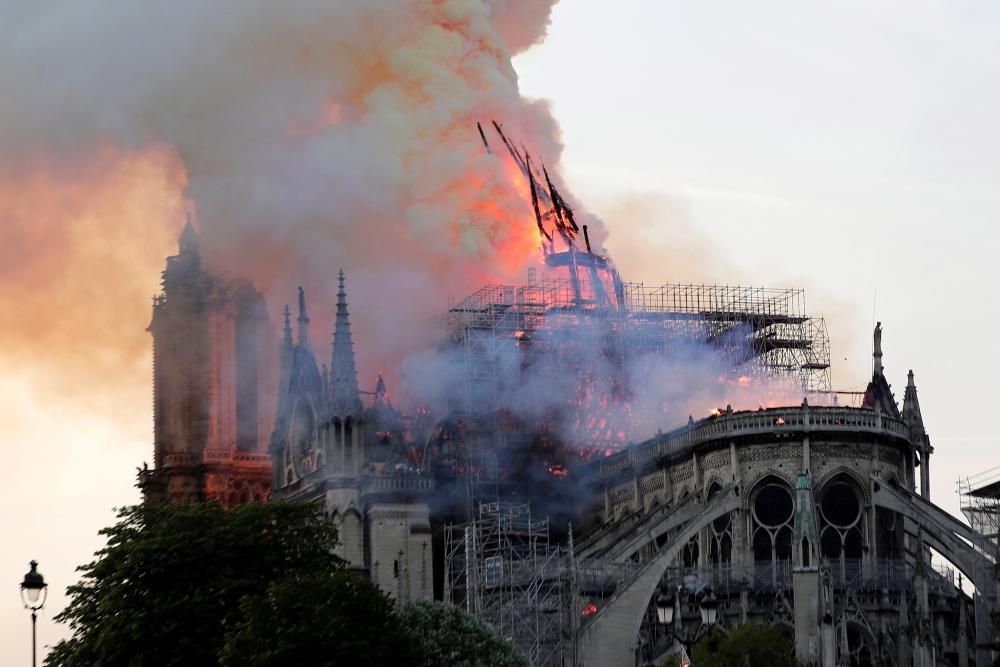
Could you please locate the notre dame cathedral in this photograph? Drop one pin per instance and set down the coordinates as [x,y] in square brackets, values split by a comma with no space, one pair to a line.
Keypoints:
[816,519]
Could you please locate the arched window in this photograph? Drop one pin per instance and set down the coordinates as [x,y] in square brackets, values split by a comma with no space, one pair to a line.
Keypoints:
[689,556]
[860,647]
[719,534]
[841,520]
[772,514]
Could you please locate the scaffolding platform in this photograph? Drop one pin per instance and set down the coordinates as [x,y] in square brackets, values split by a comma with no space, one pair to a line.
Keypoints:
[980,502]
[502,568]
[756,331]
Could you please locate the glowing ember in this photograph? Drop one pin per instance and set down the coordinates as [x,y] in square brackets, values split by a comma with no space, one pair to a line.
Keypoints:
[591,608]
[557,470]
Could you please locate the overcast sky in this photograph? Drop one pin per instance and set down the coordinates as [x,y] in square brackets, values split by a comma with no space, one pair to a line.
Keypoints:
[849,148]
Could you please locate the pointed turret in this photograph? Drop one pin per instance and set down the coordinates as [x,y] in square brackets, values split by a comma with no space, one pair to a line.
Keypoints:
[287,351]
[303,320]
[911,406]
[806,527]
[918,434]
[184,268]
[345,398]
[877,350]
[381,393]
[188,241]
[286,339]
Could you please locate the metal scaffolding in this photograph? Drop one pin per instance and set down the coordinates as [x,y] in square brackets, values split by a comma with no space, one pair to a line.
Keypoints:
[980,498]
[755,331]
[503,570]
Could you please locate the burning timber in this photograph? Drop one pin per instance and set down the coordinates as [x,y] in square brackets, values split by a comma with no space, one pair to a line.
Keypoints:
[755,330]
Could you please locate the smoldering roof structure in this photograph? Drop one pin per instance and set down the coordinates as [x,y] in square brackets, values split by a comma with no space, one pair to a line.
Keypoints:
[565,346]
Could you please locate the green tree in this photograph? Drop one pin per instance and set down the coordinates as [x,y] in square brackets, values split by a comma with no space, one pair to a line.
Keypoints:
[449,636]
[749,645]
[174,580]
[672,660]
[320,620]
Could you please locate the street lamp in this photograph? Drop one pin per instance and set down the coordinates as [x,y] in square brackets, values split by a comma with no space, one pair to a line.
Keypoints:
[34,590]
[664,609]
[709,608]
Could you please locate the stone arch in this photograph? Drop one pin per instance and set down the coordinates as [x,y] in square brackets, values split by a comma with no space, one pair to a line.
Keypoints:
[862,650]
[719,533]
[751,482]
[846,471]
[352,524]
[608,638]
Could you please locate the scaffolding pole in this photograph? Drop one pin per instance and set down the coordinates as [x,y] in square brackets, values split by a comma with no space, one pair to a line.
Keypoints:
[502,569]
[980,502]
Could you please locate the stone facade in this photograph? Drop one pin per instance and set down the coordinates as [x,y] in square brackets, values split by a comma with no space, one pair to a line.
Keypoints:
[212,387]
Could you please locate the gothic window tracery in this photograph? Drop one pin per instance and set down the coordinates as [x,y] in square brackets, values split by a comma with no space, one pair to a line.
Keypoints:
[860,651]
[720,534]
[842,521]
[689,555]
[772,515]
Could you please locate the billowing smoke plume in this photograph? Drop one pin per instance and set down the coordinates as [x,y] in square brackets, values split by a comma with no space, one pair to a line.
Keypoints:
[313,135]
[308,137]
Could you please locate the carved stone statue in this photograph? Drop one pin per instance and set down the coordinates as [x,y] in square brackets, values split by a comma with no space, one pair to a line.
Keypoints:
[878,339]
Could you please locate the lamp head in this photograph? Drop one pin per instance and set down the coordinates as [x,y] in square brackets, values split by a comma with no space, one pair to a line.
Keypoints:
[33,587]
[709,608]
[665,609]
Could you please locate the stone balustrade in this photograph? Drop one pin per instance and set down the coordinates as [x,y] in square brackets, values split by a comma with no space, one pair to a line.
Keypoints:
[771,421]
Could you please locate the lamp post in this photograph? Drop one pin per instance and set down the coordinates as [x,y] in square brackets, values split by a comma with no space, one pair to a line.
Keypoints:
[34,590]
[670,614]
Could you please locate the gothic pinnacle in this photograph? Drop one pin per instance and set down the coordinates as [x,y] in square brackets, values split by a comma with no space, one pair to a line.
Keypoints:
[303,320]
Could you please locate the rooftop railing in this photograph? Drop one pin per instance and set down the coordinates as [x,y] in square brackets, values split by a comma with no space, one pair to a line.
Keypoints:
[759,422]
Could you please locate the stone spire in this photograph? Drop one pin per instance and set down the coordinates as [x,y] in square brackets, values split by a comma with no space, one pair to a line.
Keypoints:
[286,339]
[918,434]
[877,350]
[381,393]
[188,241]
[344,394]
[911,406]
[303,320]
[287,352]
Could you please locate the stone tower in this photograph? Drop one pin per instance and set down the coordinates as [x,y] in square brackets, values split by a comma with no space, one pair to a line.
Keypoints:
[212,391]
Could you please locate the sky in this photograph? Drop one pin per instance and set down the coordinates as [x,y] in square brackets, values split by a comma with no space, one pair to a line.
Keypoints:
[847,148]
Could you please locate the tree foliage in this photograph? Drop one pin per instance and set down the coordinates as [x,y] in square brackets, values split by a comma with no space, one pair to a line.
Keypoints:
[258,585]
[168,585]
[320,620]
[749,645]
[449,636]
